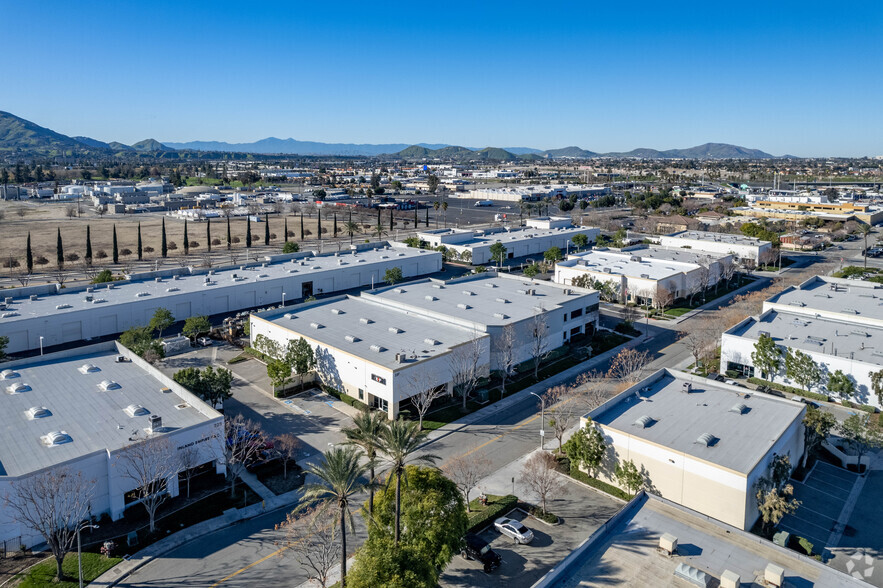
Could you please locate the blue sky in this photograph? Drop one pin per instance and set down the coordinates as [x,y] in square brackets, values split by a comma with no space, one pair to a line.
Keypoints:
[802,78]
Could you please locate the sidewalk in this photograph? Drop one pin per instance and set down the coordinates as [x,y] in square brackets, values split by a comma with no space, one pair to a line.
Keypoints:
[758,283]
[228,519]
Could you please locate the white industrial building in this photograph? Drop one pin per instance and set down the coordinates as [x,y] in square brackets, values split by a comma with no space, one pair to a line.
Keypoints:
[742,248]
[639,274]
[535,192]
[44,316]
[838,323]
[540,234]
[82,410]
[386,344]
[699,443]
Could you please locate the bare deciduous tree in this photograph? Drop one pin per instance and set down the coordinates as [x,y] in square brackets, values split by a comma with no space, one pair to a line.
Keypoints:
[559,402]
[189,461]
[541,476]
[70,210]
[590,389]
[628,365]
[697,340]
[464,367]
[245,444]
[664,298]
[312,539]
[466,471]
[426,391]
[506,355]
[286,447]
[149,464]
[539,343]
[728,269]
[54,504]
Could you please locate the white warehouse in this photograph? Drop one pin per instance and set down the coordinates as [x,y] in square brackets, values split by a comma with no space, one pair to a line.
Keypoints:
[83,410]
[47,316]
[690,438]
[540,234]
[742,248]
[639,274]
[387,344]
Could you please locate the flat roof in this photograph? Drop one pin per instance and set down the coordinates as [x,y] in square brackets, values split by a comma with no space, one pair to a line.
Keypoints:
[487,298]
[625,553]
[377,332]
[676,254]
[226,278]
[520,234]
[856,298]
[679,419]
[817,334]
[628,264]
[720,237]
[94,418]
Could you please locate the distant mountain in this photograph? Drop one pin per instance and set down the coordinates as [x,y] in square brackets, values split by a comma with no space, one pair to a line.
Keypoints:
[150,145]
[706,151]
[272,145]
[456,154]
[572,152]
[18,134]
[523,150]
[94,143]
[116,146]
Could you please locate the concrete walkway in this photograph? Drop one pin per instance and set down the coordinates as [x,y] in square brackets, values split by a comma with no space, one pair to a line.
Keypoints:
[256,486]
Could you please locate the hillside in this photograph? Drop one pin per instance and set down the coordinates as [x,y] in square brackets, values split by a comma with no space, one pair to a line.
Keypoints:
[572,152]
[150,145]
[18,134]
[706,151]
[295,147]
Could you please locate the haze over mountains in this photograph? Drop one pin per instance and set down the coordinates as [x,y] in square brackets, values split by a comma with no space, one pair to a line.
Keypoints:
[24,137]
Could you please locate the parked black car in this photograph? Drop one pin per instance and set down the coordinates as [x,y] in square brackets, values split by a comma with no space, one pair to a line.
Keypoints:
[474,547]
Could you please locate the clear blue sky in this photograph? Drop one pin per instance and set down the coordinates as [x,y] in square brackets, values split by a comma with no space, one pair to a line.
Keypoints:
[787,77]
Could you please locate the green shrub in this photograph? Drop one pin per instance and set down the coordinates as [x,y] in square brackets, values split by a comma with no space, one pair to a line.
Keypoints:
[868,408]
[345,398]
[789,389]
[578,474]
[846,403]
[496,507]
[733,374]
[806,545]
[547,517]
[103,277]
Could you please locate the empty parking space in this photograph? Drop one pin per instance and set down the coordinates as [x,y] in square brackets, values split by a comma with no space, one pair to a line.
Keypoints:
[860,548]
[822,496]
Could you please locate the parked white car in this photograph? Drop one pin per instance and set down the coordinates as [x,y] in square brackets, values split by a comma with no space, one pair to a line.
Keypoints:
[514,530]
[204,342]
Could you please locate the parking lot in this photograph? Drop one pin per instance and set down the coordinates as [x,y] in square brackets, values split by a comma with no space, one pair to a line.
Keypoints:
[822,496]
[860,549]
[582,511]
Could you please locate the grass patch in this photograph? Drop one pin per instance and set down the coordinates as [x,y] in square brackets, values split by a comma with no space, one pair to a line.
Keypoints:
[543,515]
[677,311]
[484,514]
[43,574]
[710,296]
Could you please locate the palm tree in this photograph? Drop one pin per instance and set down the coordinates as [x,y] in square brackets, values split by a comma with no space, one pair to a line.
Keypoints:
[436,206]
[864,230]
[339,475]
[401,439]
[444,207]
[351,227]
[380,231]
[367,433]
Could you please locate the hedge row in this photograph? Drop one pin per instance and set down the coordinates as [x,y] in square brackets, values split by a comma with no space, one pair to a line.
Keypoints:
[578,474]
[789,389]
[497,507]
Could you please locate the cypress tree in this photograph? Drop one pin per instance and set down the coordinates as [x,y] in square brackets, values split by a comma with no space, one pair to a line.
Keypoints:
[427,216]
[267,230]
[186,239]
[248,232]
[29,255]
[229,238]
[390,219]
[319,212]
[378,217]
[59,250]
[335,225]
[208,234]
[415,216]
[285,228]
[164,248]
[301,226]
[116,252]
[88,244]
[140,248]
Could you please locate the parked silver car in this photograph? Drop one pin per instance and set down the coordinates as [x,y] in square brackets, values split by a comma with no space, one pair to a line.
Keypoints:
[514,530]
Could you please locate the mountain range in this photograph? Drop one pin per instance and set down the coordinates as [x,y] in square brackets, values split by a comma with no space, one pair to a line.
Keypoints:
[20,136]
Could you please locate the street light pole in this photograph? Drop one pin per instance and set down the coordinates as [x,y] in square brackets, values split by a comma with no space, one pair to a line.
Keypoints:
[41,344]
[283,300]
[80,552]
[542,419]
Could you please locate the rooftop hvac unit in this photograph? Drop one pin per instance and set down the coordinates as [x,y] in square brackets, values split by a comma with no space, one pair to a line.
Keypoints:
[763,333]
[352,338]
[155,422]
[774,575]
[430,298]
[336,311]
[502,301]
[158,280]
[645,276]
[376,348]
[400,357]
[430,341]
[122,359]
[462,306]
[668,544]
[635,258]
[730,580]
[8,300]
[686,387]
[33,297]
[394,330]
[607,270]
[365,321]
[89,290]
[3,306]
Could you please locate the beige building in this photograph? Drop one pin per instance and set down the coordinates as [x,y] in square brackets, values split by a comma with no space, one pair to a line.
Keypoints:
[699,443]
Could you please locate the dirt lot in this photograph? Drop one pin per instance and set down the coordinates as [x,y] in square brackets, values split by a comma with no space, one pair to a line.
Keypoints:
[43,219]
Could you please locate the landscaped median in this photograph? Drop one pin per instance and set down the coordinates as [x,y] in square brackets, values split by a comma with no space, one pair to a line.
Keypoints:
[484,513]
[43,574]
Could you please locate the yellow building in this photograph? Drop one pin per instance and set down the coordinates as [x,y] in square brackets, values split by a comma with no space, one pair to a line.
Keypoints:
[839,211]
